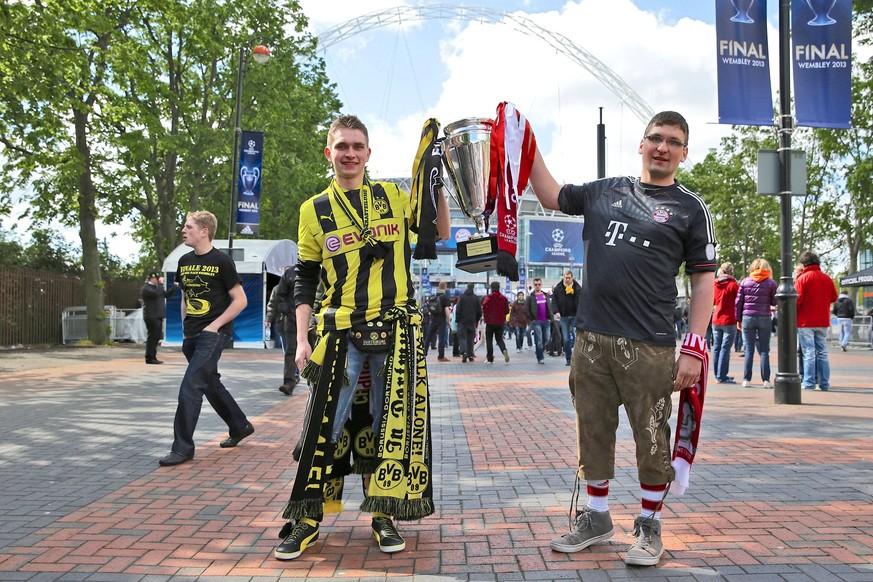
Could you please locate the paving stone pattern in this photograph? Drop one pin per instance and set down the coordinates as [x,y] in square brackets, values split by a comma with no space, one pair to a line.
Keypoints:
[779,493]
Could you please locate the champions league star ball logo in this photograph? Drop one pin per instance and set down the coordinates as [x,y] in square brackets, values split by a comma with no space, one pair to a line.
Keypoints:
[558,236]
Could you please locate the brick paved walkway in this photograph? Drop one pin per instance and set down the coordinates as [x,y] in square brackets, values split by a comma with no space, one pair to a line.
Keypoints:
[777,493]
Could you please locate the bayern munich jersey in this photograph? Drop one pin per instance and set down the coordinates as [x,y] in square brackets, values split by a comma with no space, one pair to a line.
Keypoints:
[636,237]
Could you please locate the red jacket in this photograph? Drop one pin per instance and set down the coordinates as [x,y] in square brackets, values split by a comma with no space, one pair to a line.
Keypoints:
[495,308]
[725,297]
[815,293]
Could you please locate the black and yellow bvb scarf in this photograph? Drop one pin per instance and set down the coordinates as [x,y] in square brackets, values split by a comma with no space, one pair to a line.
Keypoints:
[398,458]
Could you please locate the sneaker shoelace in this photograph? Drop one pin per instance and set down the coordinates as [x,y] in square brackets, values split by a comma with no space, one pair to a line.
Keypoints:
[646,528]
[297,534]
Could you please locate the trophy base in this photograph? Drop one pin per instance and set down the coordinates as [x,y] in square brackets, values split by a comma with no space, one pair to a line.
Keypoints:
[478,255]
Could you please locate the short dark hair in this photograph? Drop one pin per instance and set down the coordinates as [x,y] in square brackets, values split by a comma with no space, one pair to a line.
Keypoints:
[495,285]
[668,118]
[808,258]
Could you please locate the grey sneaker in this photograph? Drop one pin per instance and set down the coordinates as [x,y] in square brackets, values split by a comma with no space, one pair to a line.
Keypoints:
[589,527]
[647,548]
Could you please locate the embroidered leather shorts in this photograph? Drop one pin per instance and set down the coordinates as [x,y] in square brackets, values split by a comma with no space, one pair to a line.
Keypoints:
[607,372]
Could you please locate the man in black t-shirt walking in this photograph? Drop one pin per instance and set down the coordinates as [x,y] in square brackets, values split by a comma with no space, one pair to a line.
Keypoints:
[638,233]
[212,296]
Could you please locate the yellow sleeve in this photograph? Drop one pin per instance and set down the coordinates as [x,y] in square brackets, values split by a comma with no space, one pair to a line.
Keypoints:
[308,232]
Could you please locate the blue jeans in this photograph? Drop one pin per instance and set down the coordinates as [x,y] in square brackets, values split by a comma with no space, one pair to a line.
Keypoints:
[845,330]
[354,365]
[722,343]
[813,343]
[519,337]
[568,331]
[202,379]
[542,333]
[756,331]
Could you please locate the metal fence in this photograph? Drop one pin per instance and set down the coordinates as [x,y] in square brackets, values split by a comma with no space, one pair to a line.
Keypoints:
[32,303]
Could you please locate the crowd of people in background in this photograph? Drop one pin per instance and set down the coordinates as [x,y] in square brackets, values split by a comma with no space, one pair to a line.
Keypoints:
[538,318]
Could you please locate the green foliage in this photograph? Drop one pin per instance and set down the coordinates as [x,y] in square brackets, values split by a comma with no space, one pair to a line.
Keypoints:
[746,223]
[46,251]
[135,101]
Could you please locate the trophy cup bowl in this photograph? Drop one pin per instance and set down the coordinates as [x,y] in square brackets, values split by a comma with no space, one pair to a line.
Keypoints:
[821,9]
[467,157]
[249,177]
[742,7]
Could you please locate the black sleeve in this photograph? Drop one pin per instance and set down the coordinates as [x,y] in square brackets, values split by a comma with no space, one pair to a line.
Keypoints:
[306,282]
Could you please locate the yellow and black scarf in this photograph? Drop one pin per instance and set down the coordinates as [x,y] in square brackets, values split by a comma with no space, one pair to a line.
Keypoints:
[427,179]
[401,484]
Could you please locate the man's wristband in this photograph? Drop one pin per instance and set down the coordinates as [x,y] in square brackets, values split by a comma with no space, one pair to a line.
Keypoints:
[694,345]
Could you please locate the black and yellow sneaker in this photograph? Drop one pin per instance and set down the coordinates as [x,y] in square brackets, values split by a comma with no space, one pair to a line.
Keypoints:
[302,535]
[387,536]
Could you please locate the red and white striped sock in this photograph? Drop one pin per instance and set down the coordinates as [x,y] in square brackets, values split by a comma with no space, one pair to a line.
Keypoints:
[598,495]
[651,496]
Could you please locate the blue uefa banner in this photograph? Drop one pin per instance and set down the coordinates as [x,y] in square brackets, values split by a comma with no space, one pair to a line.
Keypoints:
[744,96]
[821,33]
[556,242]
[248,203]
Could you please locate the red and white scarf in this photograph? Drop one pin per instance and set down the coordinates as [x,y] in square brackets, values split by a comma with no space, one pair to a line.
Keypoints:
[513,147]
[690,415]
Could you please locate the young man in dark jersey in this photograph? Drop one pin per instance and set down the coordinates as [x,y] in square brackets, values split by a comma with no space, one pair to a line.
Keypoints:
[638,232]
[354,238]
[212,296]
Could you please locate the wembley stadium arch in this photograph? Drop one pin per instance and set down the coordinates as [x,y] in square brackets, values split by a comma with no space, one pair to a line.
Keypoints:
[578,54]
[530,209]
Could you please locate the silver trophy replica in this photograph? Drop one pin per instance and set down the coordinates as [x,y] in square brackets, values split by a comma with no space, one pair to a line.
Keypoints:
[467,157]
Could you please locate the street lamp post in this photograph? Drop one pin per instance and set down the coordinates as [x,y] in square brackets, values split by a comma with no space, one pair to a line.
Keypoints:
[262,55]
[786,385]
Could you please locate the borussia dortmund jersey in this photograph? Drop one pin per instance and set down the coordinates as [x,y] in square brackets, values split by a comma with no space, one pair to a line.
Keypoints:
[358,287]
[636,238]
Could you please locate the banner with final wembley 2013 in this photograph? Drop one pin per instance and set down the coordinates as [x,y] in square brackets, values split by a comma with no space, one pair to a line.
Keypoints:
[248,203]
[821,56]
[744,96]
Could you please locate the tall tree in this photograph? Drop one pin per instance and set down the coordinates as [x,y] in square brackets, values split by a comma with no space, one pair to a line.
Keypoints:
[130,105]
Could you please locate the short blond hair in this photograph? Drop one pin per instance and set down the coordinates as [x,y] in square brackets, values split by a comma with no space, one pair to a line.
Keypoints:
[204,219]
[759,264]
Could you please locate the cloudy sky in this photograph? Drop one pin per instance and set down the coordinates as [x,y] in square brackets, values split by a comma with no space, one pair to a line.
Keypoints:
[395,73]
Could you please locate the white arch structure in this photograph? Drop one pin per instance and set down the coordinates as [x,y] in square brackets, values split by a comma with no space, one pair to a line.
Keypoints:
[576,53]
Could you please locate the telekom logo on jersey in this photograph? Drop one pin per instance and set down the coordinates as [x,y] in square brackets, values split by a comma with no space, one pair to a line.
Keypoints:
[615,231]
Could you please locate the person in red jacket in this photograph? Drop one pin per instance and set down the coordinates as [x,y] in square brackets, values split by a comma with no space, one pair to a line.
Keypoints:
[724,322]
[495,308]
[815,293]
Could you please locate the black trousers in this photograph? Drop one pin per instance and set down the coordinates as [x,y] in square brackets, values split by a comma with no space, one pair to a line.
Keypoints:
[289,335]
[155,329]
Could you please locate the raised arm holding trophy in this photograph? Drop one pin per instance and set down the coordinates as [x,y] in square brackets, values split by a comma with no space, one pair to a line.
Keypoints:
[489,162]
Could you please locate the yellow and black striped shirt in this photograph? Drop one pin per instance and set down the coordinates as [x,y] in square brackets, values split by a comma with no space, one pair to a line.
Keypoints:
[358,289]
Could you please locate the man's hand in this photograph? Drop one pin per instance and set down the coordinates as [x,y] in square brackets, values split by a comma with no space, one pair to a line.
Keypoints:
[304,350]
[686,372]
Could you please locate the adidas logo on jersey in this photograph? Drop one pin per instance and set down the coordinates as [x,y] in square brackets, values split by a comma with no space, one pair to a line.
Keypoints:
[616,204]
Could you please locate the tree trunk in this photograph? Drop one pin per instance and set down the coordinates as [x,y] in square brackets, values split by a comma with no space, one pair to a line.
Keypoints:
[94,296]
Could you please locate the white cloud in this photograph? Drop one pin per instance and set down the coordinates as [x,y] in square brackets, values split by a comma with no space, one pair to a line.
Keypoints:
[671,66]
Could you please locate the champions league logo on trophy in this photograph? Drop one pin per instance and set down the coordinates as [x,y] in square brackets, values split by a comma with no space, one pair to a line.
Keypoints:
[467,157]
